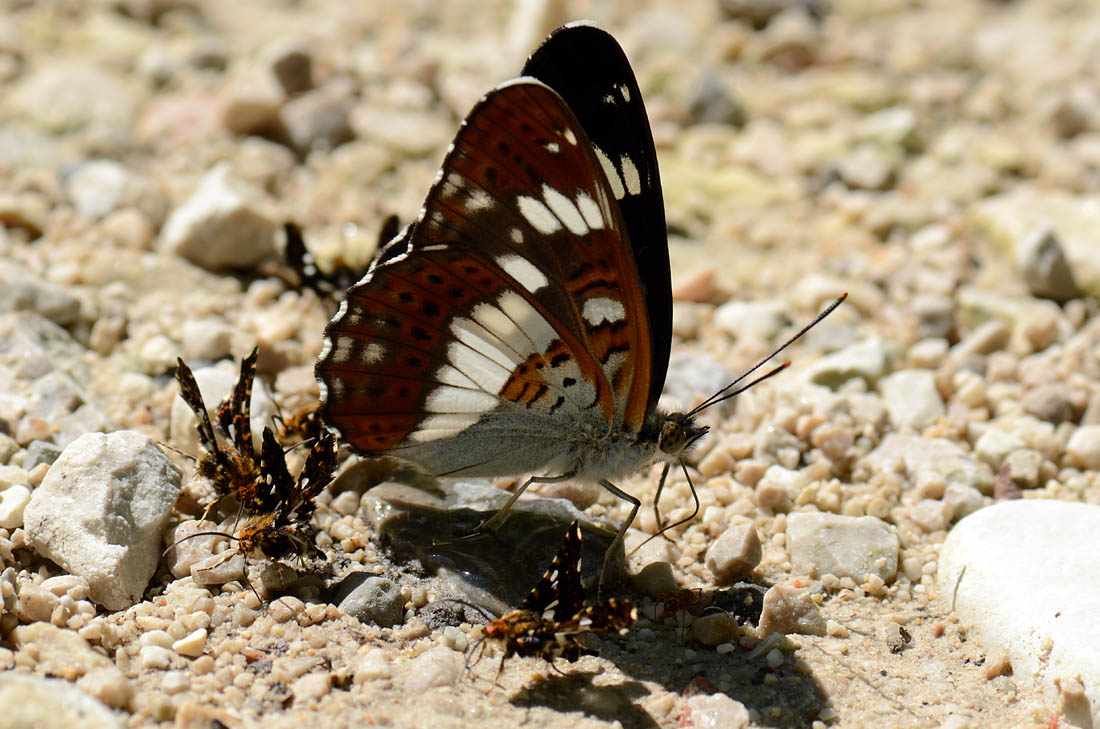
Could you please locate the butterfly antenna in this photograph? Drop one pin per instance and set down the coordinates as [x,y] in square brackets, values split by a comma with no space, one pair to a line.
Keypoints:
[722,393]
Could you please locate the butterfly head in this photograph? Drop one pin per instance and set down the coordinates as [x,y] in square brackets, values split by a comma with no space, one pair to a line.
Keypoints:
[675,433]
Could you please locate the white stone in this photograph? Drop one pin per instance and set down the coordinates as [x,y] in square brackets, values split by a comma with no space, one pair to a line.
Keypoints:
[868,360]
[155,657]
[1026,575]
[911,398]
[51,703]
[716,710]
[101,510]
[439,666]
[754,321]
[1083,447]
[845,546]
[192,644]
[734,554]
[226,223]
[928,461]
[373,665]
[98,187]
[994,445]
[13,502]
[205,339]
[789,610]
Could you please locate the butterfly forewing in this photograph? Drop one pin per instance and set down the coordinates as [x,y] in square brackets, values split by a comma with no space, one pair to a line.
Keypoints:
[559,595]
[513,297]
[234,413]
[588,68]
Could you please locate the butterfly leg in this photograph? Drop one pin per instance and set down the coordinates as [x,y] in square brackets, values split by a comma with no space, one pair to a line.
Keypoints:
[634,506]
[657,502]
[503,511]
[663,530]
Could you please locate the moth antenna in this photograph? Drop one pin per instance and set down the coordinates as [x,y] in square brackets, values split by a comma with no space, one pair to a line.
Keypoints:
[176,543]
[172,448]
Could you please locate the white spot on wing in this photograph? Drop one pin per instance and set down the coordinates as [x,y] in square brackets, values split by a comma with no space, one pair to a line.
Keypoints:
[610,173]
[625,91]
[630,176]
[566,211]
[453,185]
[478,200]
[527,321]
[538,215]
[609,100]
[373,353]
[590,210]
[552,147]
[341,352]
[523,271]
[517,235]
[448,375]
[443,425]
[603,309]
[447,399]
[570,136]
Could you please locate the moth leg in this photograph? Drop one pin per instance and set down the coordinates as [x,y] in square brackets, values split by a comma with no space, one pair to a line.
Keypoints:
[635,504]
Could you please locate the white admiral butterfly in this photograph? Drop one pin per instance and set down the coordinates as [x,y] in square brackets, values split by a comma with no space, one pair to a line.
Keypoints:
[523,323]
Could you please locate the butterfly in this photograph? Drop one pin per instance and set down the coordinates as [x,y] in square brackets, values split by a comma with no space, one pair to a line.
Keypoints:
[232,468]
[522,324]
[343,274]
[550,619]
[276,507]
[279,525]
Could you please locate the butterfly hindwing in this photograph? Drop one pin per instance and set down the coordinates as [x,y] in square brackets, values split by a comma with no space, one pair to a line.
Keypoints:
[560,592]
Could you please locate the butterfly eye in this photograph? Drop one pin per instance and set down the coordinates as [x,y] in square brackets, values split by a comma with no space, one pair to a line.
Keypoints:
[672,438]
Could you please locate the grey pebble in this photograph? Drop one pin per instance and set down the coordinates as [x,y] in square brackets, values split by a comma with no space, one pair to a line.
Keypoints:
[225,223]
[373,599]
[1044,267]
[845,546]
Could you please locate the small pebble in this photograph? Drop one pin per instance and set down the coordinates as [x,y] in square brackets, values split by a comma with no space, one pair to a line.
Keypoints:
[1083,448]
[192,644]
[155,657]
[715,628]
[438,666]
[372,666]
[655,579]
[787,610]
[715,710]
[735,554]
[311,687]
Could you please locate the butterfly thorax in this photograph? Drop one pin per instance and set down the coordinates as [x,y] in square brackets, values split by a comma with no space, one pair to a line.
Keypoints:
[662,437]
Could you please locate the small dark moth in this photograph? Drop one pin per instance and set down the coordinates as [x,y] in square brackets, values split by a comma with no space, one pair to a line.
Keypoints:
[549,621]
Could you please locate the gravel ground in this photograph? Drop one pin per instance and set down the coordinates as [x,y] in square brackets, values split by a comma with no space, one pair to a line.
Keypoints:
[939,161]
